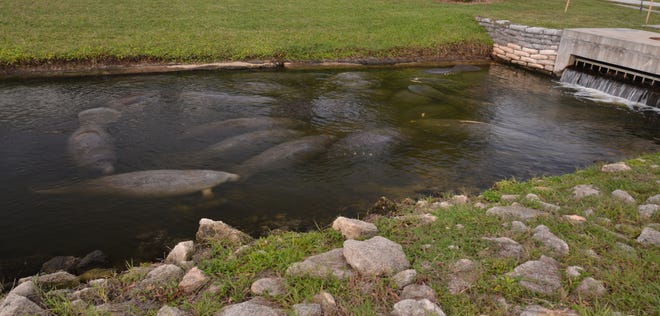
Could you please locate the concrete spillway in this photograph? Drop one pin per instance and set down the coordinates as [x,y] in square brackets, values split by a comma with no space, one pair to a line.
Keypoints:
[631,50]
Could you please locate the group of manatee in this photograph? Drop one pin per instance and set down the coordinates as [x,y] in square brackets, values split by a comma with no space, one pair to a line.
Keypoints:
[265,143]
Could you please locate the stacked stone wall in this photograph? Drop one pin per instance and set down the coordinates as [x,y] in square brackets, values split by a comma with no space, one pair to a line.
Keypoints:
[533,48]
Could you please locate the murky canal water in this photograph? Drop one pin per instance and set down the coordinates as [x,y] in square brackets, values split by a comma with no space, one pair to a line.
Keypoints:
[395,132]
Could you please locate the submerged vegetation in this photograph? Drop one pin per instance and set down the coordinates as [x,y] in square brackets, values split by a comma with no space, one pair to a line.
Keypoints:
[54,32]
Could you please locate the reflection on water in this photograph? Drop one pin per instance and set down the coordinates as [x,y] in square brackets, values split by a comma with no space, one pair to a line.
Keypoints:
[396,132]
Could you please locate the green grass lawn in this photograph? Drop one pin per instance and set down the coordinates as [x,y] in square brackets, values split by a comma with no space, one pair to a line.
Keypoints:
[48,31]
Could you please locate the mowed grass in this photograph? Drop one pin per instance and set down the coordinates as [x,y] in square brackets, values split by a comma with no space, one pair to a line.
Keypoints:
[47,31]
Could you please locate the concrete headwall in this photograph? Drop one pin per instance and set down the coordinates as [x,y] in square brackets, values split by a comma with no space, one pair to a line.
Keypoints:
[533,48]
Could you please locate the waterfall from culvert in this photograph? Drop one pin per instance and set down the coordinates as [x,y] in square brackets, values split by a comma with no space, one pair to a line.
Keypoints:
[612,87]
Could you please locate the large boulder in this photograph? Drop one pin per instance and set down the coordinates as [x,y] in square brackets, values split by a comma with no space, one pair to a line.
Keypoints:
[584,190]
[249,308]
[590,288]
[162,276]
[647,211]
[210,230]
[19,305]
[410,307]
[649,236]
[193,280]
[60,263]
[270,286]
[181,253]
[328,264]
[541,276]
[354,228]
[310,309]
[514,211]
[623,196]
[57,280]
[538,310]
[170,311]
[376,256]
[653,199]
[543,235]
[404,278]
[94,259]
[418,292]
[615,167]
[505,247]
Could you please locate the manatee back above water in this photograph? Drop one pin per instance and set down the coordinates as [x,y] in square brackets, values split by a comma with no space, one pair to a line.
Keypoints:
[285,154]
[150,183]
[91,147]
[240,126]
[249,143]
[369,143]
[453,70]
[98,116]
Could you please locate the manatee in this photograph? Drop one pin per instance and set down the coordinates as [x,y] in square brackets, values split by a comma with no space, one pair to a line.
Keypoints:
[98,116]
[240,125]
[225,98]
[427,91]
[285,154]
[128,101]
[452,70]
[92,147]
[150,183]
[249,143]
[367,143]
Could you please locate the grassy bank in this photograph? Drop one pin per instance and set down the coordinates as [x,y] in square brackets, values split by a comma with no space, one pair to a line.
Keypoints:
[629,273]
[46,31]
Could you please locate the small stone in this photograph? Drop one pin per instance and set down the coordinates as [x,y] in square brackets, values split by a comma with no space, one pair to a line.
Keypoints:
[418,292]
[442,205]
[557,246]
[590,288]
[328,264]
[626,248]
[193,280]
[591,253]
[509,197]
[60,263]
[57,280]
[354,228]
[538,310]
[653,199]
[584,190]
[170,311]
[518,227]
[453,247]
[249,308]
[615,167]
[270,286]
[181,253]
[588,212]
[327,302]
[541,276]
[574,271]
[532,197]
[19,305]
[649,236]
[506,247]
[375,256]
[480,205]
[464,273]
[647,211]
[210,230]
[162,275]
[576,219]
[623,196]
[515,211]
[549,207]
[459,226]
[410,307]
[422,204]
[459,199]
[307,309]
[404,278]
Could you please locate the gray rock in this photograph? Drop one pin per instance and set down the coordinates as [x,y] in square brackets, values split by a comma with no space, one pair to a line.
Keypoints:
[19,305]
[418,218]
[327,302]
[193,280]
[514,211]
[60,263]
[649,236]
[588,212]
[626,248]
[615,167]
[162,275]
[353,228]
[375,256]
[57,280]
[418,292]
[509,197]
[584,190]
[170,311]
[538,310]
[132,307]
[270,286]
[549,207]
[518,227]
[653,199]
[410,307]
[94,259]
[181,253]
[210,230]
[541,276]
[647,211]
[550,241]
[26,289]
[532,197]
[310,309]
[329,264]
[590,288]
[405,277]
[459,199]
[623,196]
[574,218]
[574,271]
[505,247]
[480,205]
[249,308]
[464,273]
